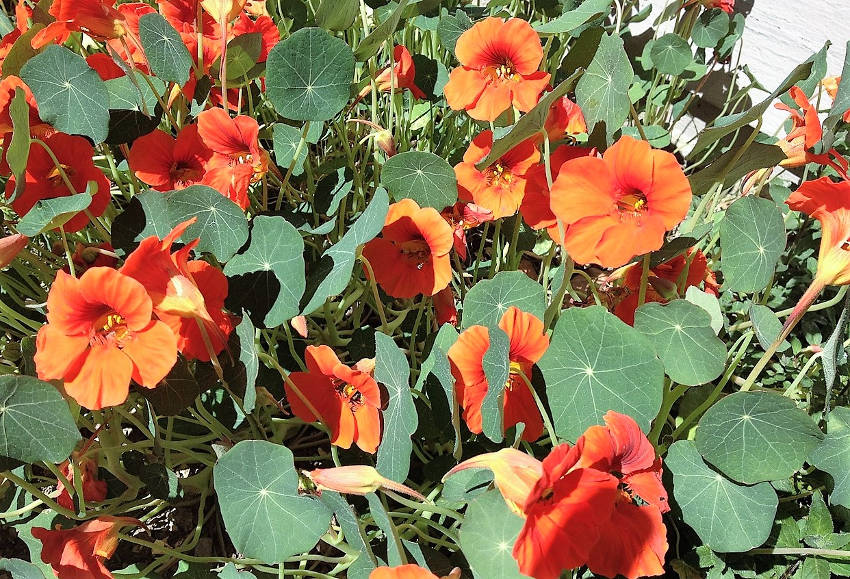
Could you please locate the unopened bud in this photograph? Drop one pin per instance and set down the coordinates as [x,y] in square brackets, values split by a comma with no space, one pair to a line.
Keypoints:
[357,480]
[665,288]
[384,140]
[10,247]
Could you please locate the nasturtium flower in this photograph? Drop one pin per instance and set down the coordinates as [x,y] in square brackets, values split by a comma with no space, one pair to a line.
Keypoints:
[187,295]
[264,26]
[535,207]
[357,479]
[565,119]
[94,489]
[621,205]
[412,255]
[238,159]
[830,85]
[347,400]
[410,571]
[10,247]
[528,343]
[79,552]
[105,66]
[166,163]
[8,87]
[598,503]
[500,187]
[43,179]
[401,76]
[463,216]
[99,335]
[499,62]
[189,22]
[666,280]
[444,307]
[98,19]
[128,47]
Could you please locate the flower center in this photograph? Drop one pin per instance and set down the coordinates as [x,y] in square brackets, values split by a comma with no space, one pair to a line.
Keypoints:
[348,393]
[112,328]
[185,175]
[514,378]
[632,203]
[498,174]
[503,72]
[417,251]
[55,176]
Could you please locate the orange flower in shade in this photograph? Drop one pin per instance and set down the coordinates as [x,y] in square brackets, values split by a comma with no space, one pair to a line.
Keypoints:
[79,552]
[98,19]
[94,489]
[500,187]
[237,160]
[462,216]
[99,335]
[347,400]
[187,295]
[830,85]
[665,281]
[410,572]
[535,207]
[805,133]
[565,118]
[357,480]
[402,75]
[43,180]
[598,503]
[499,68]
[528,343]
[166,163]
[444,307]
[412,255]
[621,205]
[8,87]
[105,67]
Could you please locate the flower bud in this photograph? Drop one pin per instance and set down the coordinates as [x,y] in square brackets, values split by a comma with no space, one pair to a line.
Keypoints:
[384,140]
[357,480]
[666,289]
[10,247]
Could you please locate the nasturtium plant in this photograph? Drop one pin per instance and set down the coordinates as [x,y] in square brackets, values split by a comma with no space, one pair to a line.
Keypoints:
[400,288]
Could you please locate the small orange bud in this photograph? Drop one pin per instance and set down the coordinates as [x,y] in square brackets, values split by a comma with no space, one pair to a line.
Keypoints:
[299,324]
[357,480]
[10,247]
[384,140]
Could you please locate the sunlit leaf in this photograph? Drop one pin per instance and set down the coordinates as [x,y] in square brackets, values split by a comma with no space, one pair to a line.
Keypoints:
[752,237]
[487,537]
[602,92]
[400,419]
[495,364]
[424,177]
[575,18]
[167,55]
[489,299]
[52,213]
[671,54]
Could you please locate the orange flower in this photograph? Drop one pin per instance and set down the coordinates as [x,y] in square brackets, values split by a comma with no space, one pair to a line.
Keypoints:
[830,85]
[500,187]
[805,133]
[99,335]
[444,307]
[7,92]
[565,118]
[347,400]
[166,163]
[412,256]
[94,489]
[528,343]
[357,480]
[43,180]
[409,572]
[105,67]
[402,74]
[499,61]
[462,216]
[98,19]
[79,552]
[621,205]
[666,279]
[187,295]
[237,160]
[535,207]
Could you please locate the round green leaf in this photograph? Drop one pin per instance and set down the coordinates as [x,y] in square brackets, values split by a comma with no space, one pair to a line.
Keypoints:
[451,26]
[602,92]
[684,340]
[671,54]
[756,436]
[729,518]
[710,27]
[487,537]
[52,213]
[264,515]
[752,239]
[596,363]
[35,422]
[276,250]
[309,75]
[424,177]
[20,569]
[488,300]
[167,55]
[286,141]
[833,455]
[69,94]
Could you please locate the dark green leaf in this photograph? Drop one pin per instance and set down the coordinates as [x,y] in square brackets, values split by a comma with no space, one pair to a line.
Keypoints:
[710,27]
[489,299]
[840,105]
[52,213]
[766,326]
[161,482]
[437,365]
[369,46]
[265,516]
[249,364]
[35,422]
[612,367]
[756,436]
[729,518]
[834,351]
[732,166]
[575,18]
[752,239]
[424,177]
[833,455]
[19,147]
[124,95]
[671,54]
[400,419]
[309,75]
[354,536]
[242,55]
[231,572]
[602,92]
[167,55]
[21,51]
[337,14]
[19,569]
[69,94]
[176,392]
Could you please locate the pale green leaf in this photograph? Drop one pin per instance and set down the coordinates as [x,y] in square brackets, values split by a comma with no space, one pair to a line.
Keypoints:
[400,418]
[424,177]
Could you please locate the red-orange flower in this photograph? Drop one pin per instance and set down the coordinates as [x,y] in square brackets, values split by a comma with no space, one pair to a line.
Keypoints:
[99,335]
[412,255]
[237,160]
[528,343]
[501,186]
[43,180]
[183,16]
[830,85]
[499,67]
[347,400]
[666,280]
[410,572]
[565,118]
[166,163]
[444,307]
[535,207]
[187,295]
[462,216]
[79,552]
[8,87]
[264,26]
[401,76]
[96,18]
[805,133]
[94,489]
[105,67]
[621,205]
